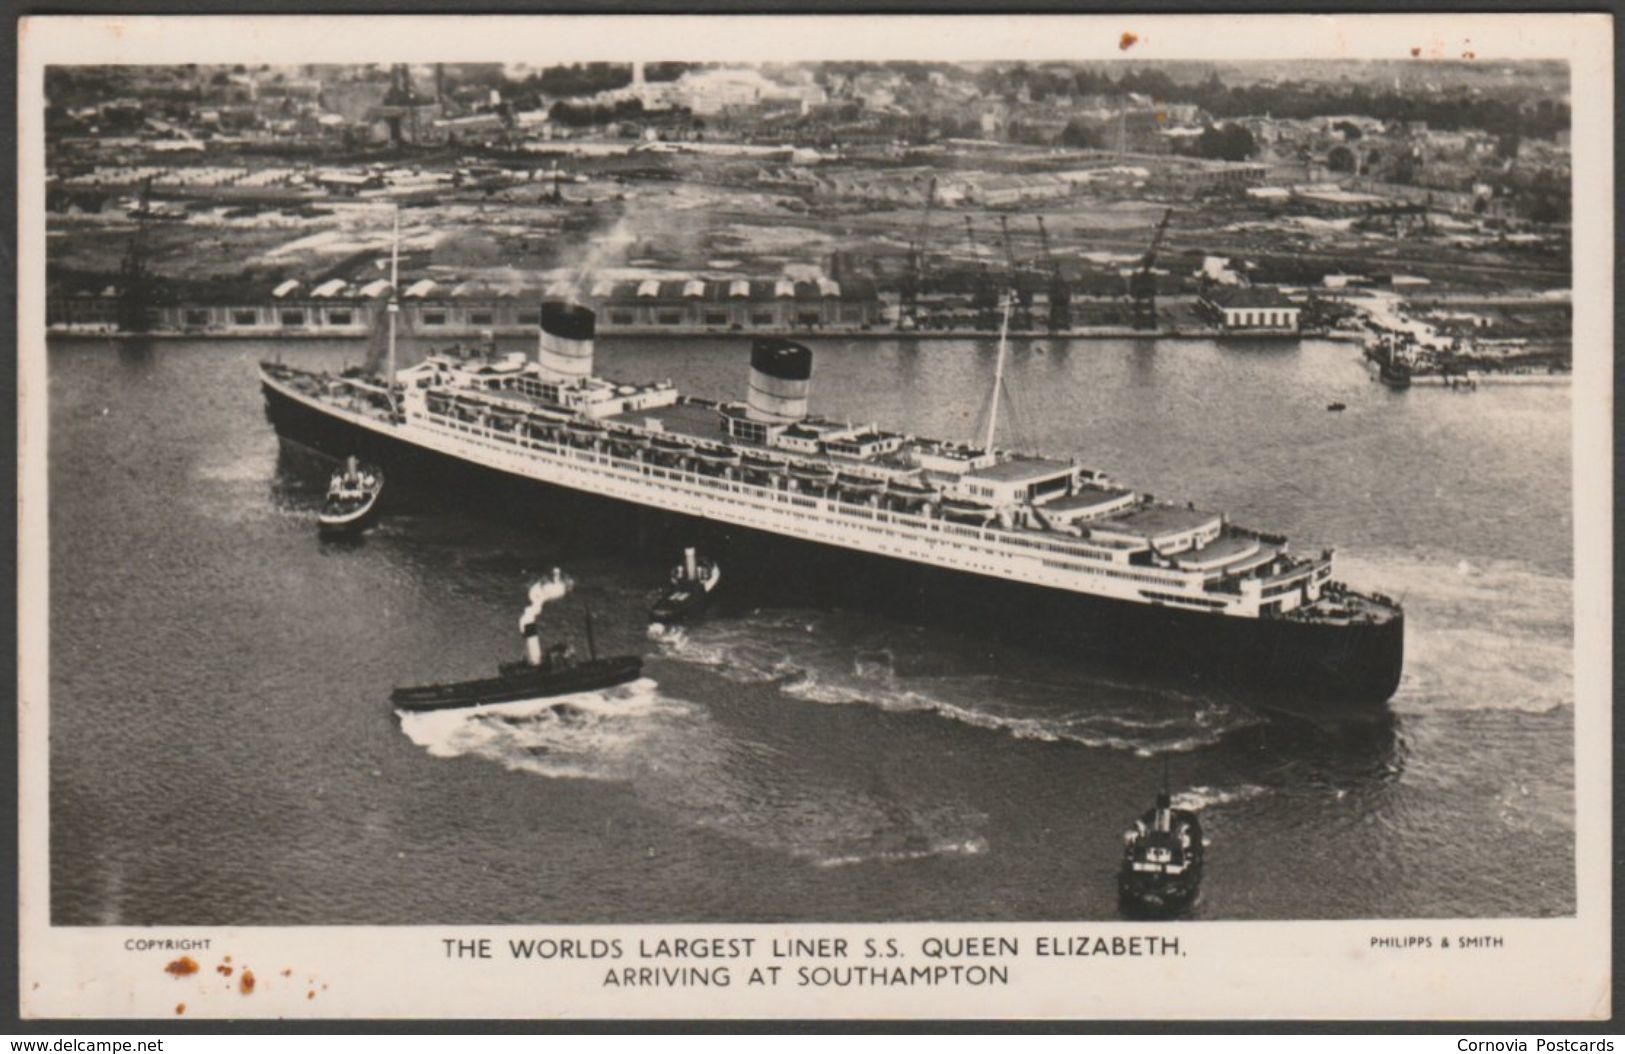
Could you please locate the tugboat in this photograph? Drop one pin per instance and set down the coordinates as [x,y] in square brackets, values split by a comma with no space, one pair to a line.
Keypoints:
[352,497]
[692,583]
[538,675]
[1161,870]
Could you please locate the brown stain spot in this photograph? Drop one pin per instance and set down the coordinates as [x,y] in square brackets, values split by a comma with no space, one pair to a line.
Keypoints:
[1128,40]
[36,986]
[247,982]
[180,1008]
[1468,55]
[223,970]
[311,994]
[228,958]
[288,972]
[185,966]
[1416,53]
[324,988]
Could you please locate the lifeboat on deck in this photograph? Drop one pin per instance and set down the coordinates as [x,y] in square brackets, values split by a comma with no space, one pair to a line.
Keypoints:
[547,429]
[504,420]
[625,444]
[811,476]
[714,460]
[670,452]
[959,510]
[760,469]
[908,495]
[583,433]
[858,488]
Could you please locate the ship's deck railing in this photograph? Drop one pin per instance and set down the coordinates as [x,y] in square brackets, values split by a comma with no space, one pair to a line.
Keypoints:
[849,510]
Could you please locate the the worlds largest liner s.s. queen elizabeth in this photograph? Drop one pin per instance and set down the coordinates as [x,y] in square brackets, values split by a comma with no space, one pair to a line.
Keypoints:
[1036,547]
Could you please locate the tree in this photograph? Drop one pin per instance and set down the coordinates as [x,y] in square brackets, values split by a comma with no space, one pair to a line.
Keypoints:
[1226,142]
[1081,135]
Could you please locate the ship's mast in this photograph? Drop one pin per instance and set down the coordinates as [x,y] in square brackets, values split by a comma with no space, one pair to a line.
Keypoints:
[998,377]
[394,309]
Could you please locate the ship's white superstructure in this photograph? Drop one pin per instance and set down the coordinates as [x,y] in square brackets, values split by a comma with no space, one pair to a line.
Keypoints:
[768,465]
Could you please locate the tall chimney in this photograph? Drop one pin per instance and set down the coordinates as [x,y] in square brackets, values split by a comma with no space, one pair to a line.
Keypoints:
[564,349]
[780,379]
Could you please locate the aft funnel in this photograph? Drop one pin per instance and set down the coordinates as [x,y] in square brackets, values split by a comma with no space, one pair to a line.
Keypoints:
[780,380]
[564,349]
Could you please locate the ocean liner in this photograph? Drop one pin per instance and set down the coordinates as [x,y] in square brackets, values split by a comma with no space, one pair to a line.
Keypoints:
[1036,548]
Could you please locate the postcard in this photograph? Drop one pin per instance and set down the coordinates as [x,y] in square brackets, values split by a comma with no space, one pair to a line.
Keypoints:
[1047,517]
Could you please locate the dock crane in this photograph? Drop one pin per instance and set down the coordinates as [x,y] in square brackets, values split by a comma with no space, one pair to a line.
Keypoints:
[1060,294]
[135,292]
[1021,291]
[1142,284]
[914,277]
[984,297]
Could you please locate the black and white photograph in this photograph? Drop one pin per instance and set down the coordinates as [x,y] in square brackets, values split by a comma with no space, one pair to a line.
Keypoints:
[602,497]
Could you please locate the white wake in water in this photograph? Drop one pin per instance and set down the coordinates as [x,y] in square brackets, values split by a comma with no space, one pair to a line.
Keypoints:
[589,735]
[969,847]
[1198,798]
[834,659]
[682,764]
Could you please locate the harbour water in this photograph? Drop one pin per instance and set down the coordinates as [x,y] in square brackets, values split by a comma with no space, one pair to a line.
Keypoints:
[222,750]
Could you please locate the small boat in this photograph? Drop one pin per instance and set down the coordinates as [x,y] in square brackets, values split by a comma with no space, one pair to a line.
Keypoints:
[1336,407]
[672,453]
[547,429]
[961,510]
[352,497]
[714,461]
[853,486]
[1161,871]
[538,676]
[582,433]
[692,583]
[521,682]
[759,469]
[812,476]
[909,495]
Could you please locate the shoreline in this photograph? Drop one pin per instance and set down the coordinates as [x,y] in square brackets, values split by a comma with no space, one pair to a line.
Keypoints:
[605,333]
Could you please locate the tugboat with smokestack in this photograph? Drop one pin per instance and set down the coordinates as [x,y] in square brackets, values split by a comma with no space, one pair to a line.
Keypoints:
[1161,871]
[692,583]
[539,675]
[352,499]
[808,508]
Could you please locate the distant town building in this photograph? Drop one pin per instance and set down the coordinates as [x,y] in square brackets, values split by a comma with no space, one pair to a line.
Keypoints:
[1260,308]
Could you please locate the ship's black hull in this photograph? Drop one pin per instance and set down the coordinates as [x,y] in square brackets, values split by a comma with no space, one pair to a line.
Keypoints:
[1297,662]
